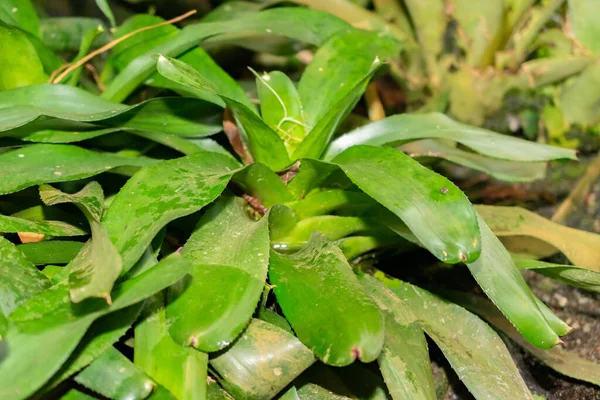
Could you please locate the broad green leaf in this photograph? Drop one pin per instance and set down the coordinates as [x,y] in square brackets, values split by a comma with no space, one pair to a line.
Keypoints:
[47,163]
[310,174]
[74,394]
[95,275]
[112,375]
[355,246]
[20,64]
[181,370]
[565,362]
[569,274]
[265,145]
[50,252]
[71,135]
[47,228]
[263,361]
[65,33]
[323,202]
[186,117]
[21,14]
[100,336]
[261,182]
[306,25]
[399,129]
[197,58]
[582,17]
[473,349]
[432,207]
[579,246]
[404,361]
[334,227]
[338,66]
[90,199]
[326,306]
[158,194]
[20,278]
[320,135]
[502,282]
[511,171]
[230,254]
[50,318]
[105,8]
[280,107]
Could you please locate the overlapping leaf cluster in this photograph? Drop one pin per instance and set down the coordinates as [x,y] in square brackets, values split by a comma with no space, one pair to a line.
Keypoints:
[93,190]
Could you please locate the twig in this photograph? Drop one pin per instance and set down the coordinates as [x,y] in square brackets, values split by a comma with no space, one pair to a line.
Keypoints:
[112,44]
[96,77]
[580,190]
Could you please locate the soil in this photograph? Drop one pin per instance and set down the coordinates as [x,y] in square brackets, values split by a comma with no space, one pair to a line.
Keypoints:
[577,307]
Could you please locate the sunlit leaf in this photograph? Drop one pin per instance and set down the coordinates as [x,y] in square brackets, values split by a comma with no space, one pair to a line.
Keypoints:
[473,349]
[263,361]
[47,163]
[50,318]
[569,274]
[326,306]
[230,254]
[399,129]
[416,195]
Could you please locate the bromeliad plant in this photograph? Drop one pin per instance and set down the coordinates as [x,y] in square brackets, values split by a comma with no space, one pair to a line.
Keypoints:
[514,65]
[283,212]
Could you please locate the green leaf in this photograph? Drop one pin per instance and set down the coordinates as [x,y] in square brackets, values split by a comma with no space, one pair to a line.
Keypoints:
[403,128]
[20,64]
[181,370]
[569,274]
[20,279]
[105,8]
[306,25]
[186,117]
[158,194]
[47,228]
[21,14]
[143,42]
[404,361]
[579,246]
[50,318]
[112,375]
[326,306]
[311,173]
[95,274]
[433,208]
[502,282]
[230,254]
[50,252]
[90,199]
[263,361]
[473,349]
[63,34]
[47,163]
[334,227]
[582,17]
[281,108]
[557,358]
[338,66]
[261,182]
[318,138]
[74,394]
[511,171]
[265,145]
